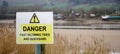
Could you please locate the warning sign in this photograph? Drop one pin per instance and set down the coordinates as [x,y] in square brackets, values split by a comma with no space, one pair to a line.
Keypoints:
[34,28]
[34,19]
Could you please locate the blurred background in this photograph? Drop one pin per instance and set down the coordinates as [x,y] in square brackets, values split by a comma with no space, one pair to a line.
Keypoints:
[66,8]
[80,26]
[95,13]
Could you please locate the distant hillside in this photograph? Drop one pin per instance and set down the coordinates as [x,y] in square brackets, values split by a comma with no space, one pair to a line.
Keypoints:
[77,2]
[50,4]
[53,2]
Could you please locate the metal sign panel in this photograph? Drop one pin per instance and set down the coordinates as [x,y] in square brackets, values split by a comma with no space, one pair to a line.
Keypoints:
[34,27]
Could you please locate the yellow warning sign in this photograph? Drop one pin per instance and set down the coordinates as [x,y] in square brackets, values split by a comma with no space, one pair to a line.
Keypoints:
[34,19]
[37,29]
[35,33]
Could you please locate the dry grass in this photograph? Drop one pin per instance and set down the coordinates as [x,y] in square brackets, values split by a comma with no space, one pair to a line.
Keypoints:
[78,45]
[62,44]
[8,42]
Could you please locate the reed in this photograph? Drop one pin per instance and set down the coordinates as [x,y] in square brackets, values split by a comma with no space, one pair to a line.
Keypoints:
[77,45]
[8,42]
[62,44]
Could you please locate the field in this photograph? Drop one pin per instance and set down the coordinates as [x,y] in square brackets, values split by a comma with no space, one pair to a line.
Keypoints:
[8,43]
[65,42]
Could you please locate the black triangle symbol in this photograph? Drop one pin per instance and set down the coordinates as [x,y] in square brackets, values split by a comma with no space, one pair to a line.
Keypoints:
[34,19]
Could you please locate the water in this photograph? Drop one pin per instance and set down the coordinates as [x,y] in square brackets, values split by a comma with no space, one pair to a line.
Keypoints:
[82,25]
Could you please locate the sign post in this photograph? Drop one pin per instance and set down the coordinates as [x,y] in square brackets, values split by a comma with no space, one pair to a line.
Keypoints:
[34,28]
[37,49]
